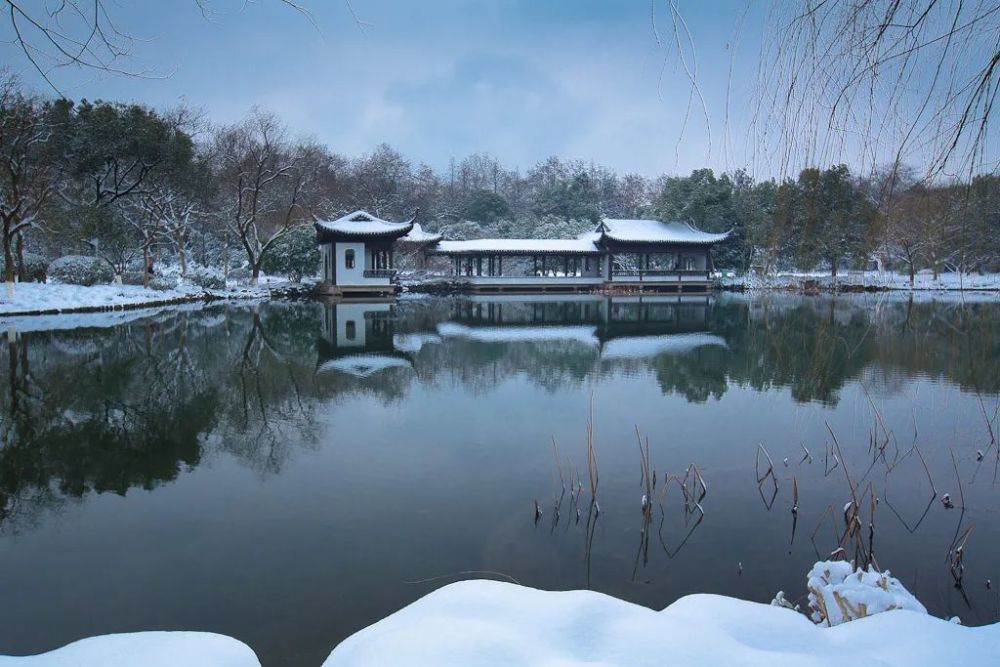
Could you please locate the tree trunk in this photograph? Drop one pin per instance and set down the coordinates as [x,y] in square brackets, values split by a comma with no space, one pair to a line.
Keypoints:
[21,273]
[254,273]
[913,272]
[145,265]
[181,258]
[834,265]
[8,260]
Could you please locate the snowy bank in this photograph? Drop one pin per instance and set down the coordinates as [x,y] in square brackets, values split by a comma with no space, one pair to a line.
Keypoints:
[54,298]
[859,280]
[149,649]
[474,623]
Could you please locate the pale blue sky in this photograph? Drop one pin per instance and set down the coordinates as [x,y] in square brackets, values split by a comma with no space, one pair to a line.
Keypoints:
[520,79]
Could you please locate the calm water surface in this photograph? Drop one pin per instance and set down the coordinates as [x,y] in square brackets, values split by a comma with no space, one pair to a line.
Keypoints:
[289,473]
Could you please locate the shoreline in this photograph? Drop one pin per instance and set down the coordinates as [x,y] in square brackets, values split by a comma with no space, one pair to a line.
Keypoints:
[137,299]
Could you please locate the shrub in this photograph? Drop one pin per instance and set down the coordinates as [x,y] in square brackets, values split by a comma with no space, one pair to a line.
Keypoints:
[205,278]
[35,267]
[240,275]
[162,283]
[295,255]
[80,270]
[132,278]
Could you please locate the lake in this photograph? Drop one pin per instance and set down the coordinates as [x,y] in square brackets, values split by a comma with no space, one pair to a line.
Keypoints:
[287,473]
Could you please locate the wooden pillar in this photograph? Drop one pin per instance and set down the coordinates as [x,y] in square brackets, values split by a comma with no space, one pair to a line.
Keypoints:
[543,265]
[565,265]
[499,265]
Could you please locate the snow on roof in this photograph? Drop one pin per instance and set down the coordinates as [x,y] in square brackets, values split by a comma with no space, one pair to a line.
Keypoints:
[363,223]
[646,347]
[418,235]
[656,231]
[527,246]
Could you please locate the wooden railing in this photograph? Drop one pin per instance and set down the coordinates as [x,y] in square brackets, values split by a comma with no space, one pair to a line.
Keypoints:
[380,273]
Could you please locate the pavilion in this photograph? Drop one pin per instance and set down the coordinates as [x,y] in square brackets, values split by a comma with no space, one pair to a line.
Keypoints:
[356,253]
[357,256]
[638,254]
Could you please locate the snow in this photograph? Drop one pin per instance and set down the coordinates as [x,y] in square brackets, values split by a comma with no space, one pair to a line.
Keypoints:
[629,231]
[52,298]
[484,623]
[889,280]
[362,365]
[363,223]
[413,343]
[646,347]
[33,297]
[656,231]
[838,593]
[527,246]
[582,334]
[480,623]
[149,649]
[418,235]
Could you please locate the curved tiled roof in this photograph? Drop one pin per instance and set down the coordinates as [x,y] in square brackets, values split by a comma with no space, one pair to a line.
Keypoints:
[418,235]
[656,231]
[363,223]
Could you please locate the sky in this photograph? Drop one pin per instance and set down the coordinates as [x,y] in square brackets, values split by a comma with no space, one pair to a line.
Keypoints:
[518,79]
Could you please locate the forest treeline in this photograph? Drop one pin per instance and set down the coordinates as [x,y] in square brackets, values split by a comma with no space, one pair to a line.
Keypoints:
[136,187]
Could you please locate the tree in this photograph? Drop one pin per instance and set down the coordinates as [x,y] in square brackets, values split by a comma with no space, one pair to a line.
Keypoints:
[295,255]
[573,199]
[265,183]
[835,220]
[382,182]
[109,150]
[27,171]
[926,70]
[707,203]
[486,206]
[118,164]
[84,34]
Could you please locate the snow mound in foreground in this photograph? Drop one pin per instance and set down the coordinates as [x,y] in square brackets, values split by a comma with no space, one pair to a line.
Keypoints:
[149,649]
[480,623]
[838,593]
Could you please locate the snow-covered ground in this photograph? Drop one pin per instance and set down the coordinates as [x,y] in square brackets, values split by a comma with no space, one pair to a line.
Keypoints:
[148,649]
[50,298]
[488,623]
[923,281]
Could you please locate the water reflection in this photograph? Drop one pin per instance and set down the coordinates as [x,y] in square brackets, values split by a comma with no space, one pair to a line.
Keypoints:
[107,409]
[421,429]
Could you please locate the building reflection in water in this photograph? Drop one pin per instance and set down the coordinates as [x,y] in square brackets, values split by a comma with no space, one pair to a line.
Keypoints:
[357,339]
[361,338]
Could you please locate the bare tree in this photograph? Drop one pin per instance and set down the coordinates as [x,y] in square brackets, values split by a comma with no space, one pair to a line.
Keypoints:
[879,81]
[265,180]
[87,35]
